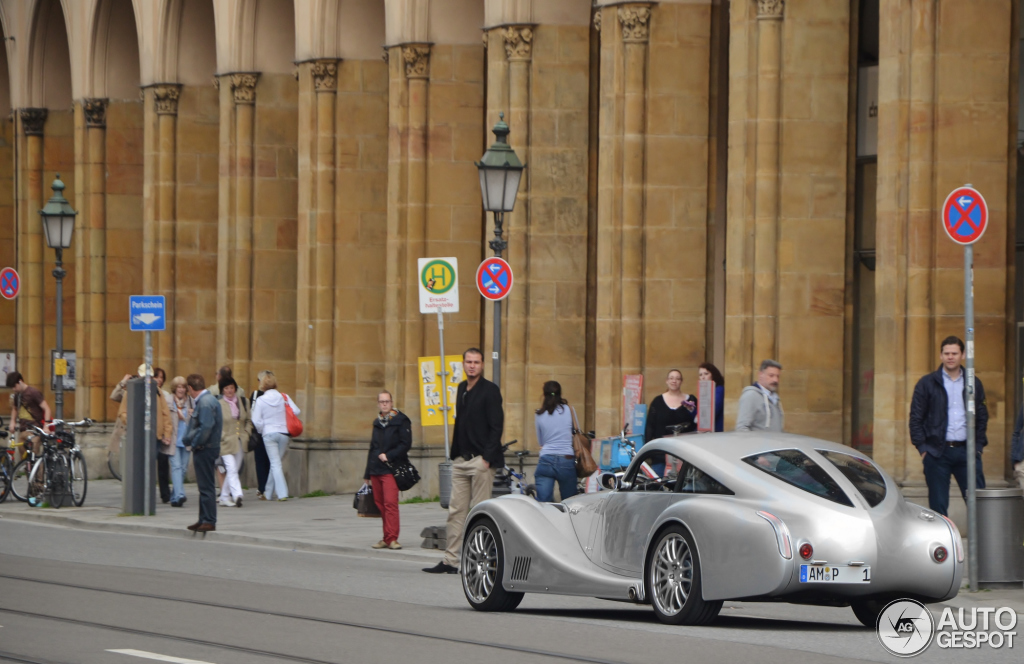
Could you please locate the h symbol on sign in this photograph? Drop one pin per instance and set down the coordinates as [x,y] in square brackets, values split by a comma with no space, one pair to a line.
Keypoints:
[440,278]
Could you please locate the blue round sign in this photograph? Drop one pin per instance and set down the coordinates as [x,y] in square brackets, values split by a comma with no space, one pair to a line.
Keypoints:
[10,283]
[494,279]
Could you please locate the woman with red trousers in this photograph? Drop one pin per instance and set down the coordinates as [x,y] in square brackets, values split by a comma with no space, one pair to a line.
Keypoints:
[389,447]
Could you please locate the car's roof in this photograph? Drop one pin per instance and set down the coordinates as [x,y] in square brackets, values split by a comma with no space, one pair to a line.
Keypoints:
[734,445]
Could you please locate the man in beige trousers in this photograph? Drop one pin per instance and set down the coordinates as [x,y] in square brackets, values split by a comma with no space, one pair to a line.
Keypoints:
[476,451]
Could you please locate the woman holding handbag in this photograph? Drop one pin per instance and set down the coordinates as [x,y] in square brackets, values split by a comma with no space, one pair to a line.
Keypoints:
[389,448]
[271,418]
[554,435]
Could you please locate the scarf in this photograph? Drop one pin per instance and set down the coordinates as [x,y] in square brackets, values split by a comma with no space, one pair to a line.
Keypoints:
[386,418]
[183,406]
[233,403]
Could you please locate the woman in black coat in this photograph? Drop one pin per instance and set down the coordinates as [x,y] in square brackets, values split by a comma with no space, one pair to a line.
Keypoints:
[389,446]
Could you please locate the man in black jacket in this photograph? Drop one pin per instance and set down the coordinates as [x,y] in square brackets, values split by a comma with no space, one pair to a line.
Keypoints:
[938,425]
[476,451]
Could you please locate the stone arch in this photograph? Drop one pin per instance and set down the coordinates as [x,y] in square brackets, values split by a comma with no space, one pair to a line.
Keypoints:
[273,36]
[189,42]
[5,72]
[49,58]
[114,71]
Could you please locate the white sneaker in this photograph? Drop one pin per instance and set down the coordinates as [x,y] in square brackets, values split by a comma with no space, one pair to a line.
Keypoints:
[225,503]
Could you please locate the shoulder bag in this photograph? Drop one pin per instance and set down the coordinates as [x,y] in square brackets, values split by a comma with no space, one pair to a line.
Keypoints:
[291,419]
[406,475]
[585,464]
[364,503]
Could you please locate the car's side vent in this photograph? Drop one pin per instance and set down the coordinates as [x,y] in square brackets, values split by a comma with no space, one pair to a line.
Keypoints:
[521,568]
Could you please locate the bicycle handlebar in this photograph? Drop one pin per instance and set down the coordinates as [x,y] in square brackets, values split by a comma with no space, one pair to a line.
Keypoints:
[80,423]
[504,448]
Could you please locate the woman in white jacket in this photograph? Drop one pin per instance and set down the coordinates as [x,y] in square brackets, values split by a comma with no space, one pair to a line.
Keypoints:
[269,419]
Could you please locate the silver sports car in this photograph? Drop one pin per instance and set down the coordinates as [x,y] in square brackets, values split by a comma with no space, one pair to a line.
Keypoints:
[697,520]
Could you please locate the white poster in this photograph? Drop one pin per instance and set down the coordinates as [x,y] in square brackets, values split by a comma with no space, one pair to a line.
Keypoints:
[69,379]
[8,364]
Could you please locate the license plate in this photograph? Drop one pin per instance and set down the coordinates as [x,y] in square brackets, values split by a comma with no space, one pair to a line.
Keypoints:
[834,574]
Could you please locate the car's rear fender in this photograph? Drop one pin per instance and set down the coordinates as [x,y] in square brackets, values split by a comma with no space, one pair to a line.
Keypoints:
[542,553]
[739,553]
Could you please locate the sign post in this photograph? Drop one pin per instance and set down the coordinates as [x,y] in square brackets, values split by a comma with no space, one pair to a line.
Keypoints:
[965,218]
[147,313]
[439,292]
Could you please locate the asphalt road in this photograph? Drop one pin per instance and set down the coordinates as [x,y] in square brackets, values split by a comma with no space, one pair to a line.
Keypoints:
[91,597]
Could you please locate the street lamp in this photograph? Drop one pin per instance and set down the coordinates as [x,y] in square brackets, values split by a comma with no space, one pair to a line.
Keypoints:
[500,173]
[58,225]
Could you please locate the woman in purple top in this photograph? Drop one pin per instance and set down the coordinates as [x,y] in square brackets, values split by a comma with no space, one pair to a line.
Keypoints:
[554,434]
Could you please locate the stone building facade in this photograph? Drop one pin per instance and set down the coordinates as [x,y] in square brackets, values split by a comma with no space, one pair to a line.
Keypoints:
[705,179]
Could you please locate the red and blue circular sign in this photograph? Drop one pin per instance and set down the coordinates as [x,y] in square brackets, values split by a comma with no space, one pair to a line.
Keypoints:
[10,283]
[494,279]
[965,215]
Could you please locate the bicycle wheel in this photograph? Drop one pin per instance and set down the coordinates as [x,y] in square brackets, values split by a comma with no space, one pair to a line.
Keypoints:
[19,479]
[59,481]
[79,478]
[6,468]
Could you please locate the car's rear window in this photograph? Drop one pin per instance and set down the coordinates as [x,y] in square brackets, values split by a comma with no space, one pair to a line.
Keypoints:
[796,468]
[861,473]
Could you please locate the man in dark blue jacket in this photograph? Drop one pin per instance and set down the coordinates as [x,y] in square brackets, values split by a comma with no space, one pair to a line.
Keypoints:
[203,436]
[938,425]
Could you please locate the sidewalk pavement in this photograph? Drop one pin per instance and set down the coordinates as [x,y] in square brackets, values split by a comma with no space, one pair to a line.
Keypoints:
[327,524]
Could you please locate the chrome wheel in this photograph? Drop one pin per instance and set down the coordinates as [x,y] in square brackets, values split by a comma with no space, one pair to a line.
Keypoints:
[672,574]
[480,564]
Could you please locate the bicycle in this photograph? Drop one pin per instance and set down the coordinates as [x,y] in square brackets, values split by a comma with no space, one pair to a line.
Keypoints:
[6,468]
[60,469]
[508,480]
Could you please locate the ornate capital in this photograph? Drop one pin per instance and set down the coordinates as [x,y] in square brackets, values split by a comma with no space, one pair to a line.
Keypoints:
[166,97]
[95,112]
[32,121]
[243,86]
[597,19]
[635,20]
[518,42]
[386,56]
[325,75]
[417,60]
[769,9]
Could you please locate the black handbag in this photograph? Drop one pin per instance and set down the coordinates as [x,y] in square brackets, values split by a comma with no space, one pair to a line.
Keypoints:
[406,475]
[364,504]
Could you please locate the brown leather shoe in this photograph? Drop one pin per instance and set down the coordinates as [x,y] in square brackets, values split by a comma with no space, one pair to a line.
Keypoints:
[206,528]
[195,526]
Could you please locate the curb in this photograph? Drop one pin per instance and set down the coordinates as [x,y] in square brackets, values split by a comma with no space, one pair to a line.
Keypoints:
[218,536]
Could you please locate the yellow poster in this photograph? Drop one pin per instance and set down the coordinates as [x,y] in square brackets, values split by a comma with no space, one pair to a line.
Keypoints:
[431,384]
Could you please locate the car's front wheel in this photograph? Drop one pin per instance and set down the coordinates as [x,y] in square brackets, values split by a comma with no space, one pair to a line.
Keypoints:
[674,582]
[483,564]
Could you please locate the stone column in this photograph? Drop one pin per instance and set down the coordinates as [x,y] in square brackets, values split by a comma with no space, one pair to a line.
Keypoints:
[766,201]
[518,42]
[621,182]
[325,275]
[91,251]
[225,211]
[165,98]
[416,58]
[32,245]
[243,87]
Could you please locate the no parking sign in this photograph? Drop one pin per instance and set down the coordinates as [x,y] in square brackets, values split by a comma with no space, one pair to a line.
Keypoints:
[965,215]
[10,283]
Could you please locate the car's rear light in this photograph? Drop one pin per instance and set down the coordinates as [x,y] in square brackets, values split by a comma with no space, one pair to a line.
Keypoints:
[781,534]
[958,543]
[806,550]
[940,554]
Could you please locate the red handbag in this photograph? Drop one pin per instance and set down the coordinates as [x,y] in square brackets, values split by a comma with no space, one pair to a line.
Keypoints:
[291,419]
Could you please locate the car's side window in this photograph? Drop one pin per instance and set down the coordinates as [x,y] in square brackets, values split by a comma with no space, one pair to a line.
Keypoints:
[694,480]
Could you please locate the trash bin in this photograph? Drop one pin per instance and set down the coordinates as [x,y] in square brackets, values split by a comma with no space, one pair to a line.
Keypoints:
[1000,538]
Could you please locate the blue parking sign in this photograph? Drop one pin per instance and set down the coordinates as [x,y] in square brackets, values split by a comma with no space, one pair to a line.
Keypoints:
[147,313]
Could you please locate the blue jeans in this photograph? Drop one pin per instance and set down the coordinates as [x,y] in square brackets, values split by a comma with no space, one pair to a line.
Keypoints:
[937,471]
[553,467]
[277,445]
[179,466]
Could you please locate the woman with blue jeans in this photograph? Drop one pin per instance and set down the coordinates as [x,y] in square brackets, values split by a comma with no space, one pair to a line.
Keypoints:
[554,434]
[268,416]
[181,412]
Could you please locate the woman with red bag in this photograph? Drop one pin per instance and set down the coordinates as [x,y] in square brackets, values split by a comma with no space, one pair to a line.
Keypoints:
[275,417]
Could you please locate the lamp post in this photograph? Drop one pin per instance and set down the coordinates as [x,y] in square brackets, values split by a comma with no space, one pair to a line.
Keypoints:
[500,173]
[59,224]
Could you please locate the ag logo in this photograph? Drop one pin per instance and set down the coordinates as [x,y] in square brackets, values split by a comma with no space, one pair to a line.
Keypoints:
[905,628]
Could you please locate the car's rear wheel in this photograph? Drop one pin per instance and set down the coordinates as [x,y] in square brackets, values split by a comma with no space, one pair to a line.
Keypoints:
[674,582]
[867,611]
[483,564]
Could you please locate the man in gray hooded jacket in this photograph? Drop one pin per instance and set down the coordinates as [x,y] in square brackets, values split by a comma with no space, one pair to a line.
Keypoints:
[760,408]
